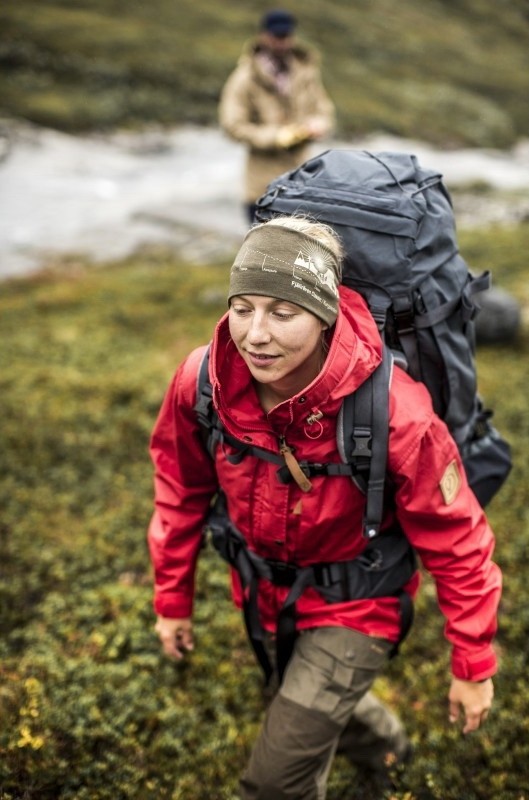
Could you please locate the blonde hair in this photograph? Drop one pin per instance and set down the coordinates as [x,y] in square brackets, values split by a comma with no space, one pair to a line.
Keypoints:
[326,235]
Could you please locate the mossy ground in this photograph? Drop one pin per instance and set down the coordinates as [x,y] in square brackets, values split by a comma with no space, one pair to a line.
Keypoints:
[439,71]
[89,707]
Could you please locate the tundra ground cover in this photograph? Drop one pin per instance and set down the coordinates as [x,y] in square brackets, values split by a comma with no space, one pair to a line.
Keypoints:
[89,708]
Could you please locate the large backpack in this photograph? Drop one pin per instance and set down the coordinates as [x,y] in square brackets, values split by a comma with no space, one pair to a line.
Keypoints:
[396,223]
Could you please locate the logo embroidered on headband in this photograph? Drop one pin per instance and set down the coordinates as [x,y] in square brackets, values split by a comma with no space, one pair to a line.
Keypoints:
[318,262]
[450,483]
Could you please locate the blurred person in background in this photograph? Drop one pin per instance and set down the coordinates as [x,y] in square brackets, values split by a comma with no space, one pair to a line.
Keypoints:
[275,102]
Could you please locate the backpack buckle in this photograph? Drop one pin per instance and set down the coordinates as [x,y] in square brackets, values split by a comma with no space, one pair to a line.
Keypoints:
[316,469]
[282,573]
[309,470]
[371,559]
[404,315]
[361,443]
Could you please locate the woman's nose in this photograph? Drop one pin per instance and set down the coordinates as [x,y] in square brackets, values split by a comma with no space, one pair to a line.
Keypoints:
[258,330]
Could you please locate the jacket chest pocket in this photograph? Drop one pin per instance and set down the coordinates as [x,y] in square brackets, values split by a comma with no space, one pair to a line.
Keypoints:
[259,504]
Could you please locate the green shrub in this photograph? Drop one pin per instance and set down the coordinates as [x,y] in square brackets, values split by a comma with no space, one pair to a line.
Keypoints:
[90,709]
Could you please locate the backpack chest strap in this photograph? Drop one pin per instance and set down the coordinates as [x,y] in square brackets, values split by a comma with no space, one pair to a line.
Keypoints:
[362,439]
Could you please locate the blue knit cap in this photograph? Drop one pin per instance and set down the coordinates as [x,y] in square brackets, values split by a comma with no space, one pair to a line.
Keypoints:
[278,23]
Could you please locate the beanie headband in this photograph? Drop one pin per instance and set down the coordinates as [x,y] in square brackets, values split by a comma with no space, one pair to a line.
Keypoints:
[281,262]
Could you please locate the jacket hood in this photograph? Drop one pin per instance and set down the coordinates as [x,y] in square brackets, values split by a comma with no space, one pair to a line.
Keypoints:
[354,353]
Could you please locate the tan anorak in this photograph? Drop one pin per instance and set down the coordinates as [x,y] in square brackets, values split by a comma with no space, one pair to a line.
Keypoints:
[253,110]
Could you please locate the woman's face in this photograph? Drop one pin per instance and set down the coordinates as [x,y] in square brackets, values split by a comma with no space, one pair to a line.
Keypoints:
[280,342]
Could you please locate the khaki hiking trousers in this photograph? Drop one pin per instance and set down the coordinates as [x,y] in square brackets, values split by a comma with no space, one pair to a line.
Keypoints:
[323,706]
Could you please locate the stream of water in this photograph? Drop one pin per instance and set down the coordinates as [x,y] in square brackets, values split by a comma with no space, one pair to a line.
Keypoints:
[105,196]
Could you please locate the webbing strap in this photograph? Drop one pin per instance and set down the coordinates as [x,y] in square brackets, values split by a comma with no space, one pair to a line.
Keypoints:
[286,622]
[481,282]
[363,438]
[428,319]
[311,469]
[377,572]
[204,403]
[251,568]
[282,574]
[362,435]
[380,436]
[216,435]
[405,323]
[407,614]
[231,546]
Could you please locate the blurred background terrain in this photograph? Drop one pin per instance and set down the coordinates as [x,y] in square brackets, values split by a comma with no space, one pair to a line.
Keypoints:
[109,139]
[452,73]
[119,216]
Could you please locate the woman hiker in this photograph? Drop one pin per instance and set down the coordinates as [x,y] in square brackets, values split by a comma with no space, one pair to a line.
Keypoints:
[292,346]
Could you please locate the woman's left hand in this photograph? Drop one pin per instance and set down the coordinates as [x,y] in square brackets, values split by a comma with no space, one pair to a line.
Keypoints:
[475,698]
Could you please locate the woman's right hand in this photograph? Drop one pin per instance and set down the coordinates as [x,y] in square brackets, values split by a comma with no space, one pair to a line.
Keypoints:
[176,636]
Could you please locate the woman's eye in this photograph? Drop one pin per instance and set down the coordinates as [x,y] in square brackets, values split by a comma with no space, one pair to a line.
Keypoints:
[240,310]
[283,314]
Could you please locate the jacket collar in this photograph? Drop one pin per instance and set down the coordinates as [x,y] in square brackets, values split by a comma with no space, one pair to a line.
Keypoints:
[300,56]
[354,353]
[301,51]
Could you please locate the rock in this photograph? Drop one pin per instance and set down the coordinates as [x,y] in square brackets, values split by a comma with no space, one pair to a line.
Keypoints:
[499,320]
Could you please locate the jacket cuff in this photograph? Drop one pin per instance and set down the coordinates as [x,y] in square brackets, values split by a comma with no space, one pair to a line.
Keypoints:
[475,667]
[173,606]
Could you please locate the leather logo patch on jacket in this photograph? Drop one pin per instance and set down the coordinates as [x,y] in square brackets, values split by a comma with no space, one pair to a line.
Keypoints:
[450,483]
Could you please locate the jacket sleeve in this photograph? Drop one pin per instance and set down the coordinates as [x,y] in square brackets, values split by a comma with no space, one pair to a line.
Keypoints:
[184,483]
[235,114]
[322,108]
[445,523]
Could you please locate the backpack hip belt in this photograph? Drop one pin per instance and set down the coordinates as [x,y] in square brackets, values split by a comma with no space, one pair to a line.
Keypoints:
[381,570]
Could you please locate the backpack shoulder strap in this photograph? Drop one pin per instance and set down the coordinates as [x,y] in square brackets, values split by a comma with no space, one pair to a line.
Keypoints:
[213,429]
[203,382]
[204,409]
[362,436]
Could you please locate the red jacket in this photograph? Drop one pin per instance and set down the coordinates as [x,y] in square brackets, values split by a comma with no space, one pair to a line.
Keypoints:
[279,521]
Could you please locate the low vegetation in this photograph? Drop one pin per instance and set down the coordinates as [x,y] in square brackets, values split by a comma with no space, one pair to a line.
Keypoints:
[89,708]
[445,72]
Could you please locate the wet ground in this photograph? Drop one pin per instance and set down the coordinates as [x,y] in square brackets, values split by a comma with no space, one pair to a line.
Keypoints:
[106,196]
